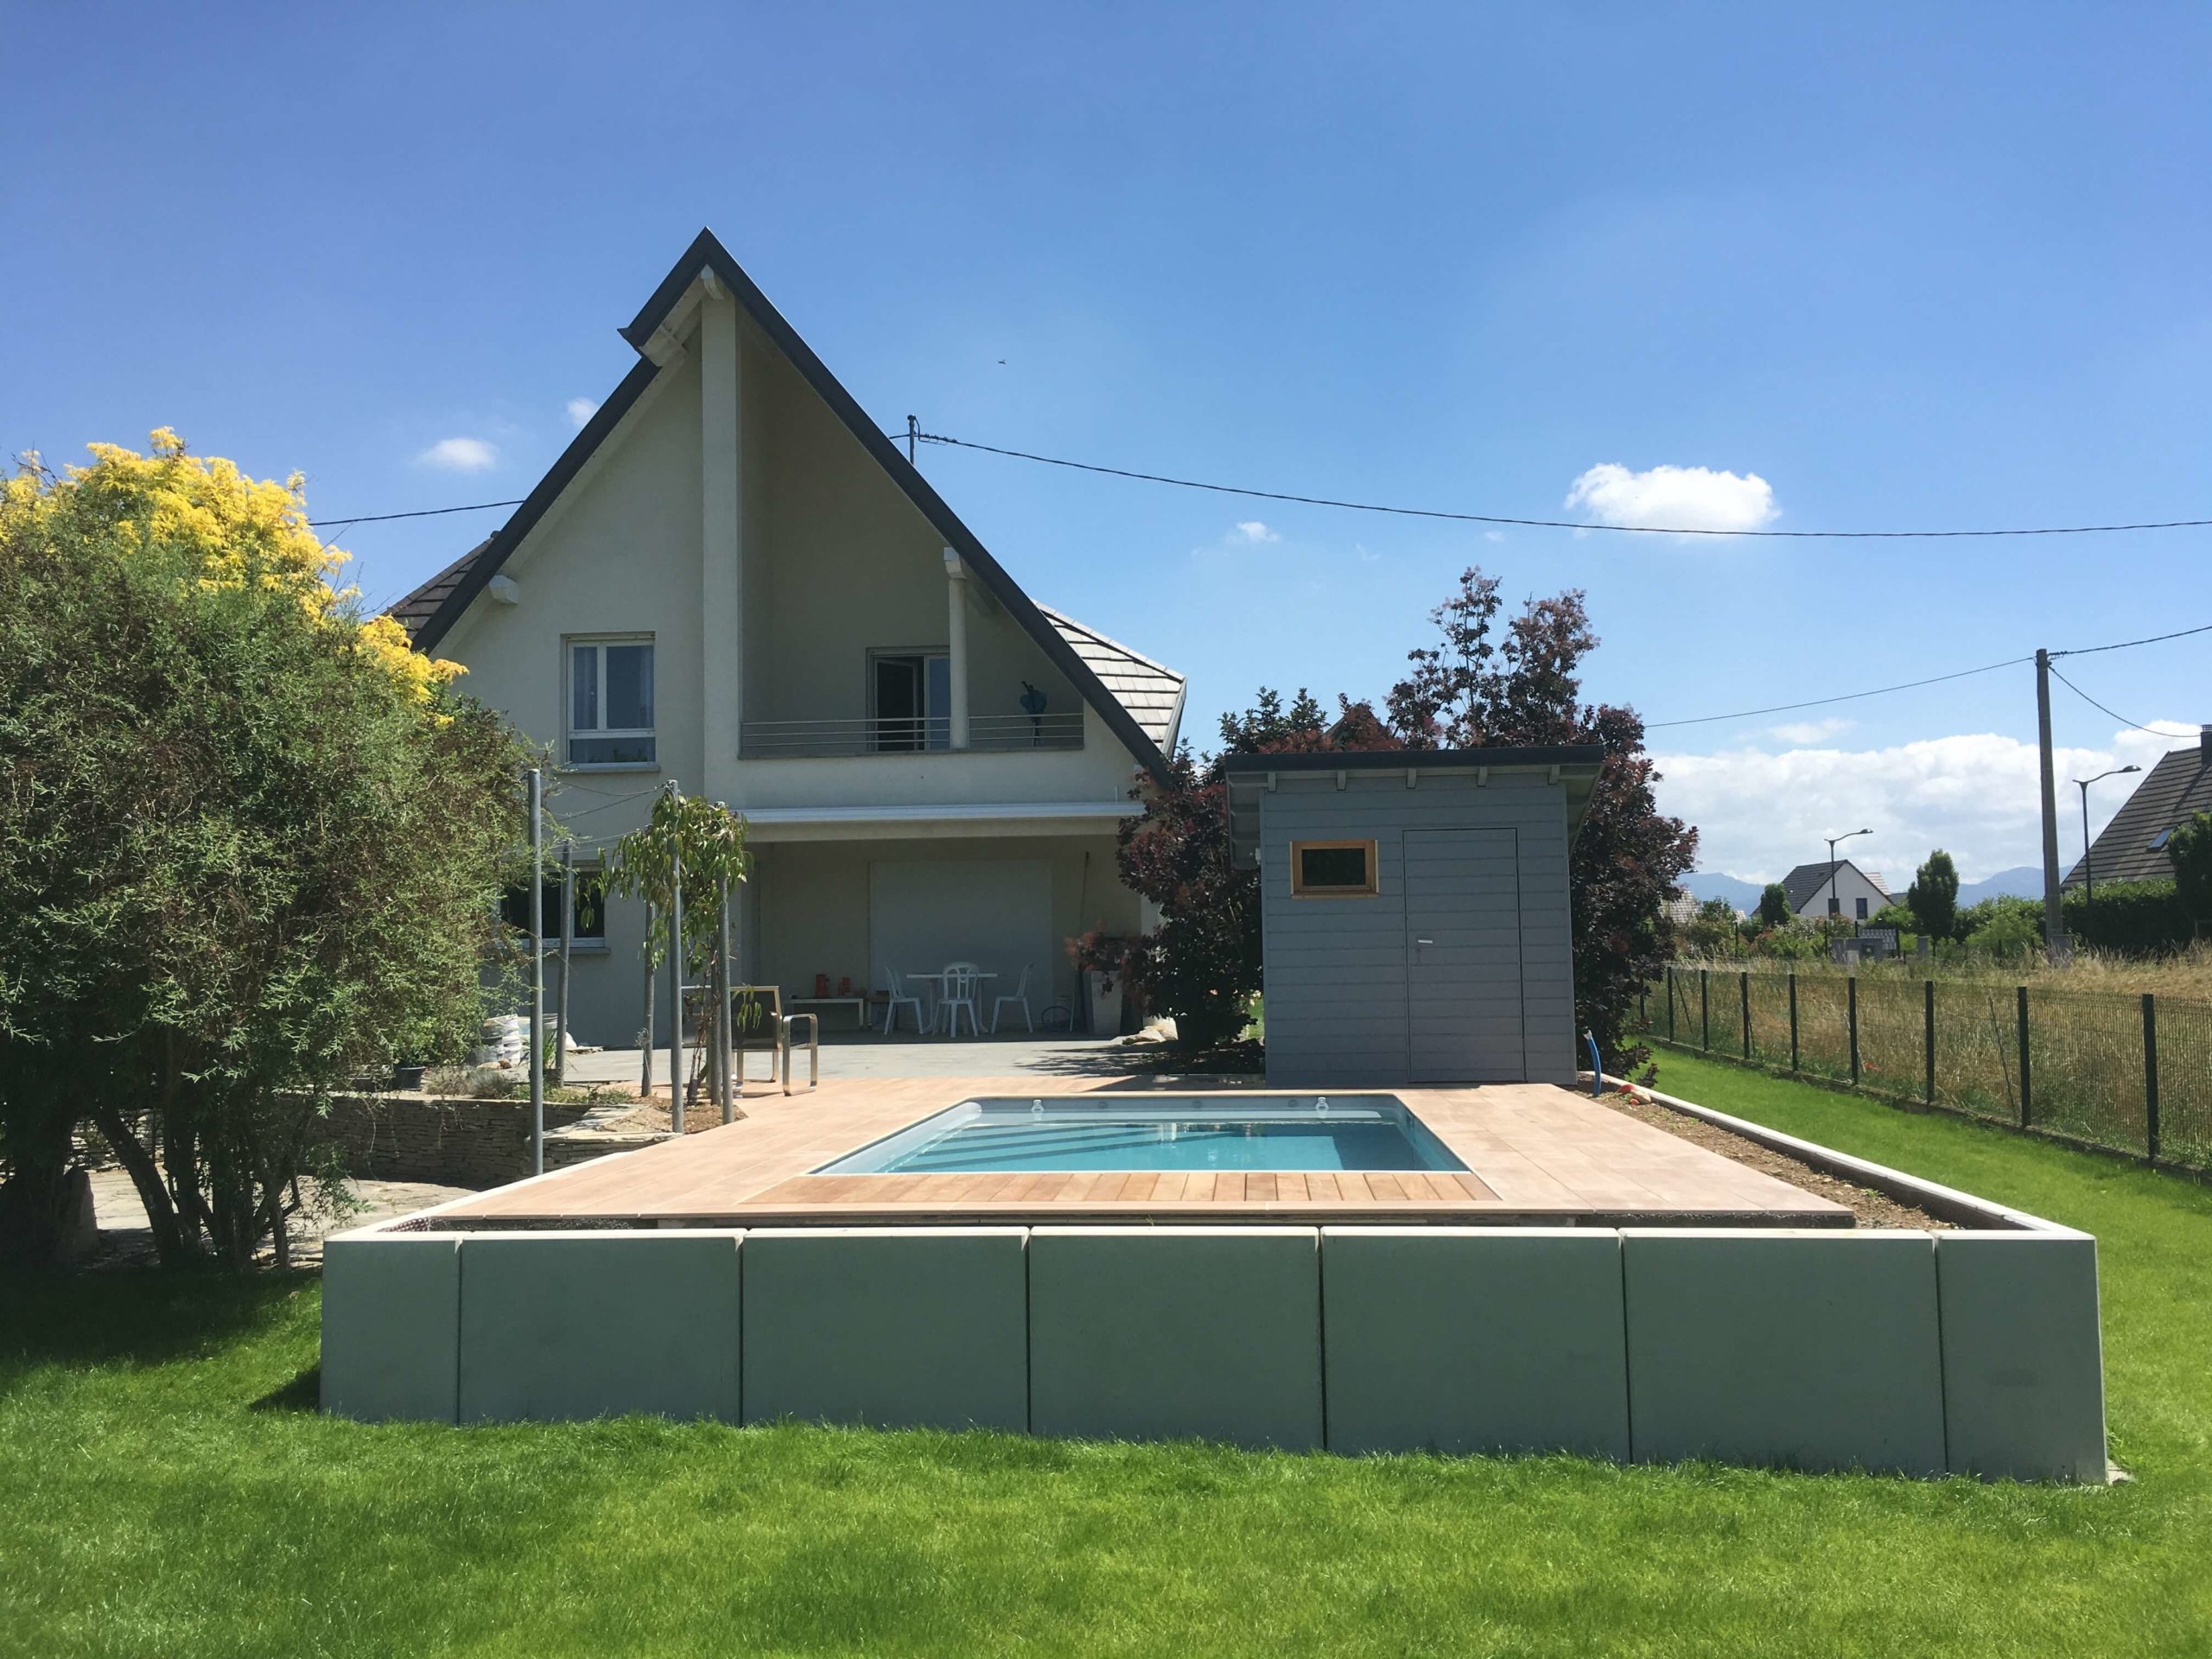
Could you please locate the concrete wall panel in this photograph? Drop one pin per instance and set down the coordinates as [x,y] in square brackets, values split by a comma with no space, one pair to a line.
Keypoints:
[895,1326]
[561,1325]
[1809,1350]
[1474,1339]
[1175,1332]
[391,1326]
[2023,1366]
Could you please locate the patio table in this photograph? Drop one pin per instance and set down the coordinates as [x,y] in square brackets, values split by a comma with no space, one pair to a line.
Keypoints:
[936,982]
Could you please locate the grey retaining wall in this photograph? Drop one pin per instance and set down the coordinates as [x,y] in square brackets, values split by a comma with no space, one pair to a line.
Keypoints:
[1967,1352]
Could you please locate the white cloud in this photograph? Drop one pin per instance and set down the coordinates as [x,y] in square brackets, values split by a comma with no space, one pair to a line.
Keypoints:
[461,455]
[1493,535]
[582,409]
[1365,556]
[1251,532]
[1686,498]
[1976,795]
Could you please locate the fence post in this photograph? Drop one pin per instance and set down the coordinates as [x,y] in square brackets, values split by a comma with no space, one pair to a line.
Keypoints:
[1793,1019]
[1705,1006]
[2150,1073]
[2026,1087]
[1745,985]
[1928,1022]
[1851,994]
[1670,1003]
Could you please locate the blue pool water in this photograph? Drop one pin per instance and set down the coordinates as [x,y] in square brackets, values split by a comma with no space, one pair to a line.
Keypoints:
[1155,1132]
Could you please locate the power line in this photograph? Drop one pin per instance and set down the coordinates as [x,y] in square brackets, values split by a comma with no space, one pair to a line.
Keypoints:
[2156,639]
[1847,696]
[420,513]
[1964,673]
[1555,524]
[2101,710]
[1417,512]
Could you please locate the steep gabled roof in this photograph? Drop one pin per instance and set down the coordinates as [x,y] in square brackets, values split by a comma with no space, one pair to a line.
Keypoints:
[467,578]
[1804,883]
[2178,787]
[1152,692]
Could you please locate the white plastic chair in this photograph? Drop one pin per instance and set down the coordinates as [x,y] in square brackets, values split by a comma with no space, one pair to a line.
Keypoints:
[1020,998]
[901,997]
[962,979]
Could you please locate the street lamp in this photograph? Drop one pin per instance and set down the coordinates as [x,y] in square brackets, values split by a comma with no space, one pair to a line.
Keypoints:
[2088,870]
[1835,905]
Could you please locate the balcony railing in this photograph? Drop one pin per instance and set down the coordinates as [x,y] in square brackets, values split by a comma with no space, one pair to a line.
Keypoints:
[770,740]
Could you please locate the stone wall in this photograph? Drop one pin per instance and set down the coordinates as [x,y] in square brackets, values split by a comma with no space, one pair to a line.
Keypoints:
[452,1140]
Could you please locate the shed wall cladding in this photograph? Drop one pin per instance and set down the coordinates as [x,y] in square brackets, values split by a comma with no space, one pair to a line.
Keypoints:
[1342,973]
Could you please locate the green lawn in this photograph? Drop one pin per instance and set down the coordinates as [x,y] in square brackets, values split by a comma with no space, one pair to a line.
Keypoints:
[164,1489]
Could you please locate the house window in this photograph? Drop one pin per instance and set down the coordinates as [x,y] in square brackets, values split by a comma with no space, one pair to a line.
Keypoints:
[1332,869]
[1835,906]
[2158,842]
[1861,904]
[589,914]
[611,702]
[909,701]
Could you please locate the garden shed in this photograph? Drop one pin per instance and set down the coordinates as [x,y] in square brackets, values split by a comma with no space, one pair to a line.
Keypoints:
[1415,924]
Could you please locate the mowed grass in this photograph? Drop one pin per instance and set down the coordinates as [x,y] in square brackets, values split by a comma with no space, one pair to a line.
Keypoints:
[166,1488]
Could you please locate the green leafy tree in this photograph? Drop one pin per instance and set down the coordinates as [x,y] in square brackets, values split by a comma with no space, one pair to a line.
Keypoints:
[1773,906]
[700,844]
[2189,847]
[253,846]
[1933,898]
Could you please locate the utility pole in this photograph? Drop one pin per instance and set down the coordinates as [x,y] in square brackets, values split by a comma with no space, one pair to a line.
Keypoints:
[567,945]
[2054,917]
[536,971]
[676,1069]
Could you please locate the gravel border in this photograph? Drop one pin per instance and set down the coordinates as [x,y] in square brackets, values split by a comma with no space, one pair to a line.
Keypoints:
[1868,1207]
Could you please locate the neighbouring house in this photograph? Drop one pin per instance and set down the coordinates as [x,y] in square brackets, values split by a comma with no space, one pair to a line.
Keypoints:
[2132,847]
[1415,920]
[1838,889]
[733,582]
[1680,906]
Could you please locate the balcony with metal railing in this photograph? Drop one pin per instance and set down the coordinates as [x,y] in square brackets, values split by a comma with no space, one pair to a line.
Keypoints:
[772,739]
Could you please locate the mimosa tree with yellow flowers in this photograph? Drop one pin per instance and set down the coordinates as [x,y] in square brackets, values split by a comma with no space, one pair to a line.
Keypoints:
[251,845]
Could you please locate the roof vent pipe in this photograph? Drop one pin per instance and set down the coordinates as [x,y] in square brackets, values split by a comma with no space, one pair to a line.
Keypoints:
[2204,743]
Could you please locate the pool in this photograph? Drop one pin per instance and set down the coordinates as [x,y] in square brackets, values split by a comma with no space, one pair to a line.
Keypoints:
[1286,1132]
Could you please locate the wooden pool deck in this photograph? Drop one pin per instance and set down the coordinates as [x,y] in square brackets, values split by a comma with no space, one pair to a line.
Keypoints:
[1535,1155]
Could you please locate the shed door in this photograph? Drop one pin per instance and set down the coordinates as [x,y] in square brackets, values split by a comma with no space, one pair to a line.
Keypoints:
[1463,956]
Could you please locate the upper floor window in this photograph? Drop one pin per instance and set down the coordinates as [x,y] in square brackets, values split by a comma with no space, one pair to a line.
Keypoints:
[610,701]
[910,700]
[1861,903]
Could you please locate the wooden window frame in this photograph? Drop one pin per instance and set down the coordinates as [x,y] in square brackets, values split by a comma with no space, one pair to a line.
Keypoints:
[1299,890]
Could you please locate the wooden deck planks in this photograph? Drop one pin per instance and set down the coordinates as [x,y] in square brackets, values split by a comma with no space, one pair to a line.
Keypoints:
[1531,1150]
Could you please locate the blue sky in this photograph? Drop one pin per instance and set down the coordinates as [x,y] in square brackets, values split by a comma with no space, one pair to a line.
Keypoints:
[1909,266]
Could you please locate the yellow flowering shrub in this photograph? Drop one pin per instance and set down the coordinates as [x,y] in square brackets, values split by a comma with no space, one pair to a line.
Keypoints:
[218,528]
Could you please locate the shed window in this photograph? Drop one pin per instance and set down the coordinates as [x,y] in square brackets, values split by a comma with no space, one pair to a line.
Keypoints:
[1332,869]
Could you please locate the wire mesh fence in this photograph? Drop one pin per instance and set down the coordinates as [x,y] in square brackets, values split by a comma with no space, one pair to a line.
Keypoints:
[2133,1072]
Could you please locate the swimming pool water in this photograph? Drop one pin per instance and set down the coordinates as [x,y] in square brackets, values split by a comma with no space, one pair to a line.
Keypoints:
[1288,1133]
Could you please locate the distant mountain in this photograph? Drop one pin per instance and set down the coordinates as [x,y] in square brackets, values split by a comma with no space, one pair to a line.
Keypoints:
[1744,895]
[2022,882]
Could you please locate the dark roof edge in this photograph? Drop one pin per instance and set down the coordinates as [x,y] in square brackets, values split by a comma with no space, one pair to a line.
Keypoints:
[706,249]
[493,553]
[1557,755]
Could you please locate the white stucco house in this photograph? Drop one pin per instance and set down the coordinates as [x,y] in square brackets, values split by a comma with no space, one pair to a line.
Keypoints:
[733,580]
[1840,889]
